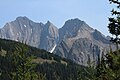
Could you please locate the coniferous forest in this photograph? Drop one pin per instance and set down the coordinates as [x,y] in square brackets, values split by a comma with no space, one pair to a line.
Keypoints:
[19,61]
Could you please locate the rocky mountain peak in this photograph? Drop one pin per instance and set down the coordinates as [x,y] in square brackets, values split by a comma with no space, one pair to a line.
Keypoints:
[48,22]
[76,20]
[72,23]
[74,40]
[50,29]
[49,25]
[20,18]
[74,28]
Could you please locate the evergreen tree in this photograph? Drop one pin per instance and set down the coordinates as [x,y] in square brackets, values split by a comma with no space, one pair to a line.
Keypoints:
[114,24]
[24,68]
[110,68]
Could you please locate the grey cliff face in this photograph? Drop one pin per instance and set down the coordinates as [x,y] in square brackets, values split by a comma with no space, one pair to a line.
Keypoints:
[23,30]
[82,50]
[75,40]
[49,37]
[39,35]
[75,28]
[80,43]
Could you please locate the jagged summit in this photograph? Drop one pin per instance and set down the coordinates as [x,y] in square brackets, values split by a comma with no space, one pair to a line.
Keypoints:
[48,22]
[22,18]
[74,28]
[74,40]
[73,23]
[75,20]
[50,25]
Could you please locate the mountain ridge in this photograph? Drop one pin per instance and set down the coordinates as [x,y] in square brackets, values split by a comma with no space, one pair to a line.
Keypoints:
[60,41]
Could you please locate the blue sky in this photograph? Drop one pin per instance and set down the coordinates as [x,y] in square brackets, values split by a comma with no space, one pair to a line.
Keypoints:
[93,12]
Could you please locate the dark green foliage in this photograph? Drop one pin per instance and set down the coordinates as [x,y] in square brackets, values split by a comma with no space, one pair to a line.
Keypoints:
[113,58]
[113,62]
[58,71]
[114,23]
[109,67]
[16,64]
[22,60]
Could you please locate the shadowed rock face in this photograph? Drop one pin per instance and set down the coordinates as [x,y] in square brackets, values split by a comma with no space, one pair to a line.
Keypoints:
[80,43]
[49,37]
[75,40]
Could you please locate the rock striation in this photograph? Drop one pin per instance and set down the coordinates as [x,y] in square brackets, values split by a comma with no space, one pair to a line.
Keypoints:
[76,40]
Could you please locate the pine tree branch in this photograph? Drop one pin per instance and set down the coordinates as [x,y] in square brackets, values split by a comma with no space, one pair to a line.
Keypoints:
[114,1]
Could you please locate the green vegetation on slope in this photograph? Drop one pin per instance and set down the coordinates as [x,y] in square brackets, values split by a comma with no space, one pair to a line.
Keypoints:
[22,62]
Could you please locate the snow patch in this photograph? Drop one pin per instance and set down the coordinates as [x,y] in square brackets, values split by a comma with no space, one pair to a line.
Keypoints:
[51,51]
[25,26]
[16,40]
[79,31]
[31,30]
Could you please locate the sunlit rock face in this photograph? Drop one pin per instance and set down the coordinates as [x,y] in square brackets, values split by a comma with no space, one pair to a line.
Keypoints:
[80,43]
[75,40]
[39,35]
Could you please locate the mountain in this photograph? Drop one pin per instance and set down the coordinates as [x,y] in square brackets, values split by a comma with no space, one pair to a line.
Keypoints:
[49,37]
[75,28]
[76,40]
[80,43]
[43,36]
